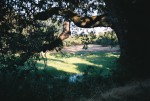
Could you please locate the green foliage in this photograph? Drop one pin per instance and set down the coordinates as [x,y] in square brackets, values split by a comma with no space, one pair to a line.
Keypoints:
[108,39]
[105,39]
[21,37]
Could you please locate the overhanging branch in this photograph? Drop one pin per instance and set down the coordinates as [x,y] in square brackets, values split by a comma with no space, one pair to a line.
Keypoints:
[84,22]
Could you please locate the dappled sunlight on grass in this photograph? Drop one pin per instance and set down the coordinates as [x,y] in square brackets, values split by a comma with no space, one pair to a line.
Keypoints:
[112,55]
[75,60]
[67,64]
[64,65]
[93,63]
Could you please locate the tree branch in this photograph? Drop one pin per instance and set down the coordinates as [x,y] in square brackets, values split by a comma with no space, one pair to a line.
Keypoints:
[84,22]
[58,42]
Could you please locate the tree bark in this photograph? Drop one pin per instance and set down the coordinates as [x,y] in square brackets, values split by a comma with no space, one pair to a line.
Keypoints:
[131,28]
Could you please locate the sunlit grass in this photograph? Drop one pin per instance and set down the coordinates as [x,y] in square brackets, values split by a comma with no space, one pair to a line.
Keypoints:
[92,62]
[68,64]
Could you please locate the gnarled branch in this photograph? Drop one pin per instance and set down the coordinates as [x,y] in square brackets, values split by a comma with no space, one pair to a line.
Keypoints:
[84,22]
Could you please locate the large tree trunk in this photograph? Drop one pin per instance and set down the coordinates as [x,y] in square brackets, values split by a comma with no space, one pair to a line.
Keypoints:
[130,22]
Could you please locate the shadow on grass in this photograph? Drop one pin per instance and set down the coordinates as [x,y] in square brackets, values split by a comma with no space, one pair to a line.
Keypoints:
[48,84]
[51,70]
[55,60]
[96,63]
[104,64]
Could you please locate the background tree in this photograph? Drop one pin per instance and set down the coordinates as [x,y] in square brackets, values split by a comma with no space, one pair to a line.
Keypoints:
[21,36]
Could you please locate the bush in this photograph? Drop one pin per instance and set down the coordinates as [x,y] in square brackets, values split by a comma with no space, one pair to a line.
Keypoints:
[108,39]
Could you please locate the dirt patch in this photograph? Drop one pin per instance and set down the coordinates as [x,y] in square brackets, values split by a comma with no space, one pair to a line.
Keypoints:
[91,48]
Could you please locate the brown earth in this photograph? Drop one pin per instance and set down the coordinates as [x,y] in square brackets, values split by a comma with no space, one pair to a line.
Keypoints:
[91,48]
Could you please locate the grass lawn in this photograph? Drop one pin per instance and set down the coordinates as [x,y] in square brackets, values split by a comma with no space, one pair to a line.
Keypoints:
[92,63]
